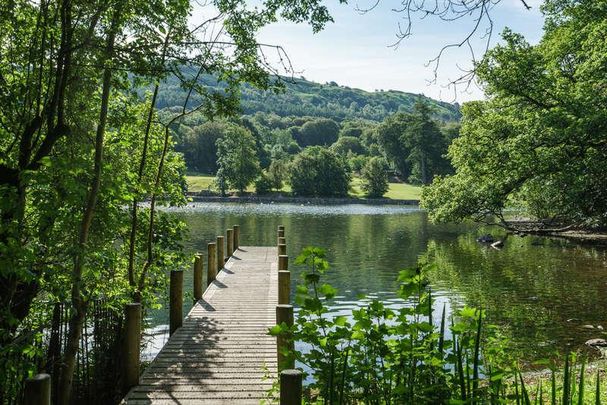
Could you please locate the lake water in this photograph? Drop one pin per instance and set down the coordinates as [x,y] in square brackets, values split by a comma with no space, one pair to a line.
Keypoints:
[544,294]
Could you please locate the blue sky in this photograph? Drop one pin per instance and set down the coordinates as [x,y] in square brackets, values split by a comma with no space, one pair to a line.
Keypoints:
[355,50]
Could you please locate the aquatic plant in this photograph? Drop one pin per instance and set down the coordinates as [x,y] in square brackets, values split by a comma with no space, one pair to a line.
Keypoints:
[386,355]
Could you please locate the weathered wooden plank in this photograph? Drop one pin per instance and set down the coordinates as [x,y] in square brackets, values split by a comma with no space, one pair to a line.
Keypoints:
[222,353]
[219,361]
[224,343]
[212,386]
[201,395]
[243,372]
[219,374]
[204,351]
[211,350]
[252,401]
[189,401]
[211,379]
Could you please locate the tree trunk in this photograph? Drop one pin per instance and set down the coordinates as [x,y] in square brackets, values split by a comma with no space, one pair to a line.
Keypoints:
[142,162]
[78,302]
[158,178]
[150,240]
[424,169]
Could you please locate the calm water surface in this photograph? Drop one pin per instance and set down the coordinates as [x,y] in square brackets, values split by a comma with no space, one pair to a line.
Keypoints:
[543,293]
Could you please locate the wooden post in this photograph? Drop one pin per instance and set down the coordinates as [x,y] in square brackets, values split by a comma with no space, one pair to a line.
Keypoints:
[284,280]
[176,301]
[211,264]
[282,240]
[290,387]
[230,242]
[284,286]
[221,260]
[197,277]
[284,314]
[132,339]
[282,249]
[281,231]
[37,390]
[283,262]
[236,237]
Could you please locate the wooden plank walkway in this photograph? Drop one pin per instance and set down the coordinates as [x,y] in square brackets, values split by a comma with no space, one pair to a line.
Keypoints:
[222,353]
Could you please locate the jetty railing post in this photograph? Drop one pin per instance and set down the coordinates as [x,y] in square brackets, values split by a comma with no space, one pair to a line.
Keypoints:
[283,262]
[211,263]
[290,387]
[221,260]
[132,338]
[198,276]
[280,234]
[282,249]
[284,280]
[230,242]
[284,343]
[176,301]
[236,229]
[37,390]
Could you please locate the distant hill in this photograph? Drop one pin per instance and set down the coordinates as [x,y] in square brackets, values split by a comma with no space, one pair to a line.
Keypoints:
[305,98]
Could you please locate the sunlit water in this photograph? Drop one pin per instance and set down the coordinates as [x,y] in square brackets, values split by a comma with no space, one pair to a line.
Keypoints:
[544,294]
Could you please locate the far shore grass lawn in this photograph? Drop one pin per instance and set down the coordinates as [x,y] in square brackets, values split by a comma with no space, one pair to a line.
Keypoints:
[396,191]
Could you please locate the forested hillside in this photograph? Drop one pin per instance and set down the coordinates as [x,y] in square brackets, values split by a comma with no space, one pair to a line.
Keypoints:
[408,133]
[301,97]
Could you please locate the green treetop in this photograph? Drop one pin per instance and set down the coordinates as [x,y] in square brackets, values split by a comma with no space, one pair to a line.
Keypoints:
[539,140]
[237,158]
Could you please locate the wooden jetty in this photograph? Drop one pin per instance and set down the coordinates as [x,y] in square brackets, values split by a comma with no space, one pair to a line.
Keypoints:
[221,352]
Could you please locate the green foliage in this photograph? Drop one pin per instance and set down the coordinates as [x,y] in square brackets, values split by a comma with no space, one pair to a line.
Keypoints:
[356,162]
[415,145]
[538,141]
[356,128]
[263,184]
[427,146]
[199,145]
[396,354]
[348,144]
[375,177]
[303,98]
[321,131]
[237,159]
[389,137]
[277,173]
[262,154]
[422,141]
[282,145]
[81,145]
[57,194]
[319,172]
[380,354]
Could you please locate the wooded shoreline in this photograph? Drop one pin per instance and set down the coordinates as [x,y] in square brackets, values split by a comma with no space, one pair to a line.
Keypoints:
[280,199]
[578,236]
[526,227]
[575,235]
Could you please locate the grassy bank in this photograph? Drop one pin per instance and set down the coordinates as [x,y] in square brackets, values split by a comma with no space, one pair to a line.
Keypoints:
[396,191]
[565,386]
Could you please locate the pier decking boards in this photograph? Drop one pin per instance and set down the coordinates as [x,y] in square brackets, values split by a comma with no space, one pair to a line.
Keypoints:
[222,353]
